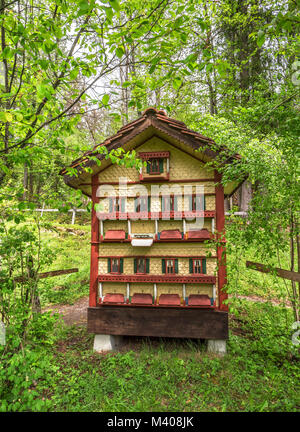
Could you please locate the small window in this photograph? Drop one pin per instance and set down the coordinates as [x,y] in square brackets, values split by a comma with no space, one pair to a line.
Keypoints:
[141,265]
[170,266]
[197,202]
[116,204]
[169,203]
[155,166]
[198,265]
[141,204]
[115,265]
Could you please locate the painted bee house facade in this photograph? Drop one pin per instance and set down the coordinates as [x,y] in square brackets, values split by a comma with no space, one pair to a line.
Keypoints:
[158,265]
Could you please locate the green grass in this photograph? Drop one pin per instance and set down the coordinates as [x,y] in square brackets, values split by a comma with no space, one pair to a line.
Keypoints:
[58,370]
[158,375]
[73,251]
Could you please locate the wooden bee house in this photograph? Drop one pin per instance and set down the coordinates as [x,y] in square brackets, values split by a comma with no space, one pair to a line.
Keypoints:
[158,263]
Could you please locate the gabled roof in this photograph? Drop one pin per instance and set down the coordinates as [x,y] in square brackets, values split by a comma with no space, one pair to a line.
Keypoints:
[152,122]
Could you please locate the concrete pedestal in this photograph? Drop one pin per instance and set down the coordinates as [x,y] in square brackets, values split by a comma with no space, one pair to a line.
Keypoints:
[107,342]
[216,346]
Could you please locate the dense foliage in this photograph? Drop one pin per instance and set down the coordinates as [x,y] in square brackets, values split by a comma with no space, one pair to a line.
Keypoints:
[72,73]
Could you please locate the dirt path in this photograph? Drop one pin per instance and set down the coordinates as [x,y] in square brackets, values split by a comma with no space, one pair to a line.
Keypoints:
[76,314]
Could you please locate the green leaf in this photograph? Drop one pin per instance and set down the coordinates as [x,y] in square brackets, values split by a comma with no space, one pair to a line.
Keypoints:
[84,6]
[6,116]
[152,69]
[105,99]
[115,5]
[177,83]
[120,52]
[74,73]
[261,37]
[109,13]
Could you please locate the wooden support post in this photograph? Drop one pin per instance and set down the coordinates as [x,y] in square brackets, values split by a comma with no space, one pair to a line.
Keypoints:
[73,216]
[129,228]
[94,245]
[220,236]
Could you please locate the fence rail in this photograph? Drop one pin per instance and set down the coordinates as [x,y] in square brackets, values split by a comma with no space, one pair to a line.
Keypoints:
[74,211]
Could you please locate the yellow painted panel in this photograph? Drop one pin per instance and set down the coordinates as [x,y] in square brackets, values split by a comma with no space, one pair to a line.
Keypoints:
[172,249]
[141,288]
[169,289]
[113,288]
[143,227]
[199,289]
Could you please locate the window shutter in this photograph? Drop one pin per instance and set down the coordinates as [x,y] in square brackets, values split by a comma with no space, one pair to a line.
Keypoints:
[191,203]
[204,265]
[110,205]
[163,265]
[121,265]
[176,265]
[175,203]
[148,167]
[204,203]
[108,265]
[161,165]
[122,205]
[149,203]
[162,204]
[191,265]
[135,204]
[135,265]
[147,265]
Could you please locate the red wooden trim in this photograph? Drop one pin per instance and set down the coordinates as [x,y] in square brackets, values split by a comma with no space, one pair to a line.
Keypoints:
[94,245]
[158,278]
[156,215]
[134,305]
[157,256]
[200,180]
[199,240]
[154,155]
[157,195]
[155,179]
[220,235]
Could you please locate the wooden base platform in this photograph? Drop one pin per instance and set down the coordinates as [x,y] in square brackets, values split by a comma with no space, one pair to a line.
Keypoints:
[158,322]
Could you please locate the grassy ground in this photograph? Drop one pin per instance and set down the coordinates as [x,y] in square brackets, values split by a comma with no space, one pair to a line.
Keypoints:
[72,246]
[60,372]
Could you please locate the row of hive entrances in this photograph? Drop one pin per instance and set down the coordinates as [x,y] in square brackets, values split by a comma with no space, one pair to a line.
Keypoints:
[141,299]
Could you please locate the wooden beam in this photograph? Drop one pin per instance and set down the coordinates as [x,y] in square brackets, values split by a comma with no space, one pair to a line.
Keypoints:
[158,322]
[220,235]
[286,274]
[46,274]
[94,244]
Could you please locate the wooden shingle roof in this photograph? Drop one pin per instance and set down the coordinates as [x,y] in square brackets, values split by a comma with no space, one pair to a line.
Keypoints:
[152,120]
